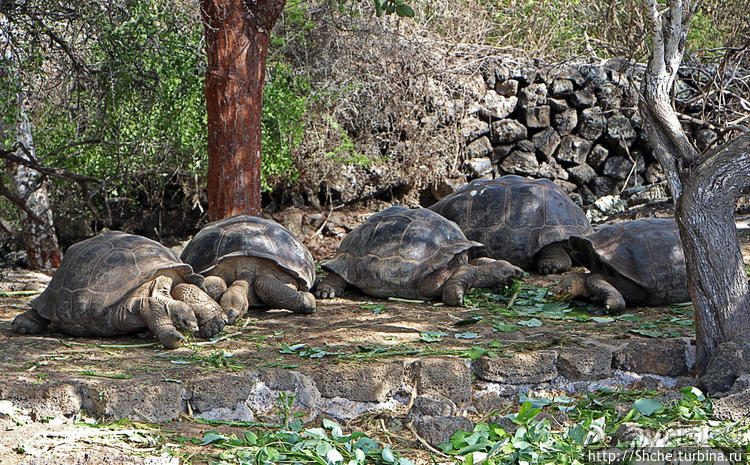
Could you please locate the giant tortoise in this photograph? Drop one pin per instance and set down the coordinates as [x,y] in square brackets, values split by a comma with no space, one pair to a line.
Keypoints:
[411,253]
[118,283]
[517,219]
[261,261]
[638,262]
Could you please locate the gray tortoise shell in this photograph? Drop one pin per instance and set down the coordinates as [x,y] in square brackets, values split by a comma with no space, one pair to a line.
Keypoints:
[646,251]
[250,236]
[514,217]
[95,274]
[395,249]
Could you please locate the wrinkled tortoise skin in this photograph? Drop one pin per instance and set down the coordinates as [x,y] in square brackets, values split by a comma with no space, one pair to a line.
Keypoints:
[395,249]
[513,217]
[250,236]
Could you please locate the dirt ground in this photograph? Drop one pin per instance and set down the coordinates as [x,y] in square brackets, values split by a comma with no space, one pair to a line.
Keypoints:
[353,329]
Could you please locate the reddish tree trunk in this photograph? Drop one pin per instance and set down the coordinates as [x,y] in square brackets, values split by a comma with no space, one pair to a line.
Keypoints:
[237,40]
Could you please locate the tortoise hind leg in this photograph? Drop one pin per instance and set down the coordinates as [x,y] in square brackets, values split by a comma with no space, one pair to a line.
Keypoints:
[553,258]
[332,286]
[487,274]
[29,322]
[277,293]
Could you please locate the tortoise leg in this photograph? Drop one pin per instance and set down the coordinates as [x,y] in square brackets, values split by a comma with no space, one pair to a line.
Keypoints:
[590,285]
[234,300]
[488,274]
[332,285]
[211,317]
[278,293]
[29,322]
[553,258]
[214,286]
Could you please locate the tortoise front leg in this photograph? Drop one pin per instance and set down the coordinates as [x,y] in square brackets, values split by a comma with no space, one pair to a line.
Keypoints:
[590,285]
[211,317]
[283,294]
[235,300]
[29,322]
[553,258]
[332,285]
[486,274]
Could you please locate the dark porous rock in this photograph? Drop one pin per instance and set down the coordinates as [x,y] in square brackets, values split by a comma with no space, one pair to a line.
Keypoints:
[478,166]
[522,368]
[565,121]
[632,435]
[532,95]
[646,194]
[597,155]
[526,146]
[473,128]
[730,361]
[346,381]
[733,407]
[593,74]
[592,123]
[496,106]
[437,430]
[488,401]
[499,152]
[444,376]
[603,185]
[665,357]
[568,187]
[620,132]
[507,88]
[573,149]
[654,173]
[583,98]
[617,167]
[587,195]
[546,142]
[557,104]
[704,138]
[581,174]
[537,117]
[520,162]
[561,87]
[481,147]
[433,405]
[490,78]
[446,186]
[584,364]
[552,170]
[508,131]
[524,76]
[608,95]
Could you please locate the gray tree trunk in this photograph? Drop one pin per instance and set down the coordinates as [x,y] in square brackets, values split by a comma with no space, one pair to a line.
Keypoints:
[705,190]
[30,192]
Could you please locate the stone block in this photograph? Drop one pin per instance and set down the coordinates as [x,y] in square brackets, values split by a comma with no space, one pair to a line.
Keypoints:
[472,128]
[481,147]
[565,121]
[620,132]
[546,142]
[522,368]
[519,162]
[573,149]
[592,123]
[507,88]
[596,156]
[581,174]
[495,106]
[561,87]
[347,381]
[583,98]
[537,117]
[584,364]
[437,430]
[532,95]
[507,131]
[444,376]
[478,166]
[617,167]
[665,357]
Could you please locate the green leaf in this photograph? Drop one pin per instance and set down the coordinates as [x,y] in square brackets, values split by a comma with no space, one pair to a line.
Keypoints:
[466,335]
[387,455]
[432,336]
[603,319]
[647,406]
[649,332]
[211,437]
[532,323]
[468,321]
[503,328]
[404,11]
[291,349]
[474,353]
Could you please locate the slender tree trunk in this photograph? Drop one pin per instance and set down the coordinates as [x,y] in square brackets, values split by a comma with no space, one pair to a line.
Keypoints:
[705,191]
[237,41]
[705,214]
[28,189]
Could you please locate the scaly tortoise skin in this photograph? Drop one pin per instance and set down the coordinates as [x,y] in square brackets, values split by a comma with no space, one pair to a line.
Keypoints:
[517,220]
[410,253]
[117,283]
[261,261]
[638,262]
